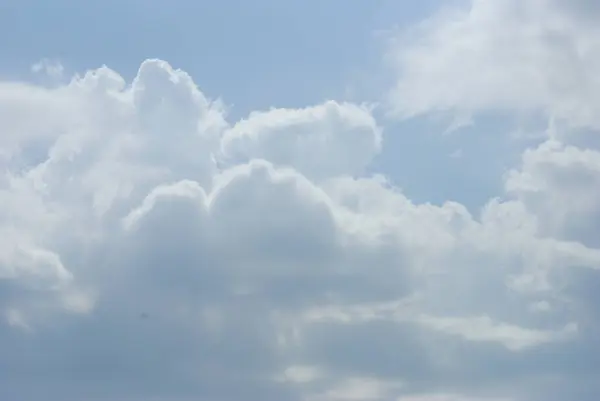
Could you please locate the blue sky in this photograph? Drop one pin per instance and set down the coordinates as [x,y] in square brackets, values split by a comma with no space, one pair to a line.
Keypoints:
[299,201]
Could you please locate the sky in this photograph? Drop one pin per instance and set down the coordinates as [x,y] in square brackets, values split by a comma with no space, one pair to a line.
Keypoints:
[300,201]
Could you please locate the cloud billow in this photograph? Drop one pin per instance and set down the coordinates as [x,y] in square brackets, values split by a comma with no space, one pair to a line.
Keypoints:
[153,248]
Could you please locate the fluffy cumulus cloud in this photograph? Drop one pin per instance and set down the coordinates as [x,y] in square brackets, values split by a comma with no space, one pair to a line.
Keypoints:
[153,249]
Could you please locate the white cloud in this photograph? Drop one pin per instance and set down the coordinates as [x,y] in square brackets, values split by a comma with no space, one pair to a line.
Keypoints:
[507,55]
[51,68]
[358,389]
[555,181]
[301,374]
[475,328]
[327,140]
[484,329]
[153,248]
[447,397]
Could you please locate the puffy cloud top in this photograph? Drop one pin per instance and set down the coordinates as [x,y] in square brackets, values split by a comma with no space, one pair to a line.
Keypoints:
[322,141]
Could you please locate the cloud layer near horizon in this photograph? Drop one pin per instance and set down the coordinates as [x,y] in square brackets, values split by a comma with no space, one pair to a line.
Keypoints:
[154,248]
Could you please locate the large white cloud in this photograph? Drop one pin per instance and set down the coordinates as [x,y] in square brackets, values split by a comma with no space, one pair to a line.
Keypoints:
[153,249]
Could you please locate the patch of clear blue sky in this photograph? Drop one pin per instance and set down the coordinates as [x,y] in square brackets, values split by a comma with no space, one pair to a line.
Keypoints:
[256,54]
